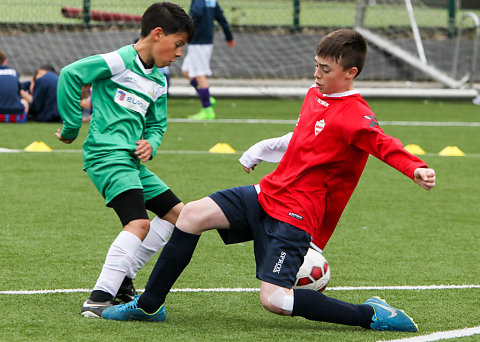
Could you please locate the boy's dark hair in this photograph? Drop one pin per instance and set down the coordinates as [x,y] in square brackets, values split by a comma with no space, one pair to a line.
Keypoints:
[170,17]
[3,56]
[48,67]
[347,47]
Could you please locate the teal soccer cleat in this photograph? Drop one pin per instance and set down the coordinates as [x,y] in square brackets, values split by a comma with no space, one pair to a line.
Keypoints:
[386,317]
[131,312]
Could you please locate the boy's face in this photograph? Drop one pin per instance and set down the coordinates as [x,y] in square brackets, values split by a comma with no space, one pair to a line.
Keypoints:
[167,48]
[331,78]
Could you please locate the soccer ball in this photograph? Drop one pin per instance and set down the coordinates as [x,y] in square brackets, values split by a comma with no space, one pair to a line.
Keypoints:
[314,273]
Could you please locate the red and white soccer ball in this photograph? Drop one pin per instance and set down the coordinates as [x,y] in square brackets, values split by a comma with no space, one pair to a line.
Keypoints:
[314,273]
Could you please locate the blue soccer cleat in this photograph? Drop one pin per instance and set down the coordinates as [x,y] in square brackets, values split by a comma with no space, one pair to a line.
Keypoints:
[386,317]
[131,312]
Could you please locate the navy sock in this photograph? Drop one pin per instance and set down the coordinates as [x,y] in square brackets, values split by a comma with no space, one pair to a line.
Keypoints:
[174,258]
[316,306]
[204,95]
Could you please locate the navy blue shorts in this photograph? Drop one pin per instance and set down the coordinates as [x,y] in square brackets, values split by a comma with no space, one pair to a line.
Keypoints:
[279,247]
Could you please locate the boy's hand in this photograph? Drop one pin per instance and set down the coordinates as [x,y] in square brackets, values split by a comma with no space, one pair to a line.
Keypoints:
[247,170]
[424,177]
[26,96]
[64,140]
[144,150]
[230,43]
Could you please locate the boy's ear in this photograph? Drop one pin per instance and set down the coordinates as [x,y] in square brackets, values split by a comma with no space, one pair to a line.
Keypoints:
[352,72]
[157,33]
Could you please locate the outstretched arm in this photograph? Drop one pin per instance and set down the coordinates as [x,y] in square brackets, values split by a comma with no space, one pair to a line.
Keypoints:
[424,177]
[269,150]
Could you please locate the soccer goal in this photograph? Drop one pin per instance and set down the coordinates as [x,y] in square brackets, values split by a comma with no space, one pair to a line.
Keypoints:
[414,54]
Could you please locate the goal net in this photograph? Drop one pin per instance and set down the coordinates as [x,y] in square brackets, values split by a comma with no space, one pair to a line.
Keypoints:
[276,39]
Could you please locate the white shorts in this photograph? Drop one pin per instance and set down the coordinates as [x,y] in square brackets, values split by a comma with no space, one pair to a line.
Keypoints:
[197,60]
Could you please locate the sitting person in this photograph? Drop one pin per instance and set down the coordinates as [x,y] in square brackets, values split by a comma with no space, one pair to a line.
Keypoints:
[43,95]
[12,107]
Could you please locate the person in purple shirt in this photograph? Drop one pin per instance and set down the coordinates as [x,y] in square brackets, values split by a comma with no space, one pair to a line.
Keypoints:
[13,108]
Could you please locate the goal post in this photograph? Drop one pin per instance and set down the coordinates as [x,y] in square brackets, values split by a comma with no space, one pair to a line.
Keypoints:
[418,61]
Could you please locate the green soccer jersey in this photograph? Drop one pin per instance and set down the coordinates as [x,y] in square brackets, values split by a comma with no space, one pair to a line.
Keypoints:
[129,103]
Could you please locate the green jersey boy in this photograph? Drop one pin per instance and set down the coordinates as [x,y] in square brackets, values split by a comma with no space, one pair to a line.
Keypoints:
[129,119]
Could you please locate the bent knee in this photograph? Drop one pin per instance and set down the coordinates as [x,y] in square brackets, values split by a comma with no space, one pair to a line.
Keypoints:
[138,227]
[279,302]
[192,212]
[198,216]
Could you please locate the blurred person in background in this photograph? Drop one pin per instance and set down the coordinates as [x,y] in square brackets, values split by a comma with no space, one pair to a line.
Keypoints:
[42,96]
[13,108]
[196,65]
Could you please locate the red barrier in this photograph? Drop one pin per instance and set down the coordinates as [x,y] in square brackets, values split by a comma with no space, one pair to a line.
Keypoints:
[69,12]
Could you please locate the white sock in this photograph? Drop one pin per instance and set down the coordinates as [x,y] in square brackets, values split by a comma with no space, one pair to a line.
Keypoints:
[118,262]
[157,237]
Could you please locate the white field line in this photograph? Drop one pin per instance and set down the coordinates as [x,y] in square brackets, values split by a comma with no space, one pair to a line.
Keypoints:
[441,335]
[338,288]
[6,150]
[283,122]
[293,122]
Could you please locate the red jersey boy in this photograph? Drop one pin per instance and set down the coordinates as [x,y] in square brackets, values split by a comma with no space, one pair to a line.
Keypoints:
[297,205]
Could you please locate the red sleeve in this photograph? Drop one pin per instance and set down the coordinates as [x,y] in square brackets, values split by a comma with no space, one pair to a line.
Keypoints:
[363,131]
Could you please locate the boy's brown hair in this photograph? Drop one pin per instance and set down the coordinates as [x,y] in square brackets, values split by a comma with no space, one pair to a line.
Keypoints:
[347,48]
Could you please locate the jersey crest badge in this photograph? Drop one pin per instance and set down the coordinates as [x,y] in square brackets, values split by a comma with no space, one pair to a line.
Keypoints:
[319,125]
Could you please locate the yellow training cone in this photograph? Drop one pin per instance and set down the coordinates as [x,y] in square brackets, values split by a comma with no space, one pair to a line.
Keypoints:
[451,151]
[221,148]
[38,146]
[414,149]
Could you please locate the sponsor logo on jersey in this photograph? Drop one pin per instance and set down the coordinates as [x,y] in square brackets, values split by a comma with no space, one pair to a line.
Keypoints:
[131,101]
[127,79]
[121,95]
[320,101]
[373,120]
[296,216]
[319,125]
[279,264]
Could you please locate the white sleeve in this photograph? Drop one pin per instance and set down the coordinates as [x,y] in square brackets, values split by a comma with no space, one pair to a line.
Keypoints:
[269,150]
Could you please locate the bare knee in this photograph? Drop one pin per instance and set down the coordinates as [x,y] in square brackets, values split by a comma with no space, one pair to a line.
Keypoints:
[138,227]
[277,299]
[192,218]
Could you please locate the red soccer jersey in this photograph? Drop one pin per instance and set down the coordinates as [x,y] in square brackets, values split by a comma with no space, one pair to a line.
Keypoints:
[324,160]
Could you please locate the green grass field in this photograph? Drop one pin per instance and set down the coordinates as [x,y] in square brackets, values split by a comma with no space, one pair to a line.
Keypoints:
[56,230]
